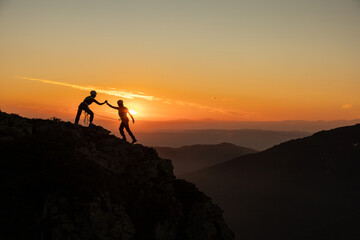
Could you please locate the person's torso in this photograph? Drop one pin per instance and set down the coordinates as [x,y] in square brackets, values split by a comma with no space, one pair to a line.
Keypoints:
[89,100]
[123,113]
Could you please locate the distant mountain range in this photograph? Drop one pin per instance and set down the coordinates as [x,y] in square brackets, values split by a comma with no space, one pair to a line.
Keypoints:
[251,138]
[190,158]
[290,125]
[302,189]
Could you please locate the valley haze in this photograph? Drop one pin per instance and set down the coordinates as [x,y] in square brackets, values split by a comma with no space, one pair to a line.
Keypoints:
[258,135]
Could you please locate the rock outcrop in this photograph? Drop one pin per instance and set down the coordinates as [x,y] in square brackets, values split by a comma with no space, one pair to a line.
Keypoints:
[62,181]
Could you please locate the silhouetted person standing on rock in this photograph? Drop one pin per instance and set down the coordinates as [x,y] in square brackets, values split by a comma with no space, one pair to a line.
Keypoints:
[123,112]
[85,106]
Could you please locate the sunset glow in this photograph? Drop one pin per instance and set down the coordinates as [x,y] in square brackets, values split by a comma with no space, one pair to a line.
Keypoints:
[180,119]
[133,112]
[226,61]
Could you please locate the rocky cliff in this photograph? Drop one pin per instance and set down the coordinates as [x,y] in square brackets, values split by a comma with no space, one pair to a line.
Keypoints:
[62,181]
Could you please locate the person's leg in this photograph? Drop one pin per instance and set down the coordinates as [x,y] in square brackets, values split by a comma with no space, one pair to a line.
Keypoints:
[87,109]
[121,128]
[127,127]
[91,116]
[78,115]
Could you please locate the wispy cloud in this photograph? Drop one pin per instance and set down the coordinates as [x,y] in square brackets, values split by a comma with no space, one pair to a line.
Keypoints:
[347,106]
[205,108]
[139,95]
[109,91]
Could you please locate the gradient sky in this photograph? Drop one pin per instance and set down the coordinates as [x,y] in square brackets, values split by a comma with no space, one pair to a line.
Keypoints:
[227,60]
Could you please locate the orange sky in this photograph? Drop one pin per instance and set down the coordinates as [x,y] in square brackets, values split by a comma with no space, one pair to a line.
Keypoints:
[225,60]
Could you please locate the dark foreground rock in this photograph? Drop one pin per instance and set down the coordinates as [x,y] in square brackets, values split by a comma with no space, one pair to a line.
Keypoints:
[61,181]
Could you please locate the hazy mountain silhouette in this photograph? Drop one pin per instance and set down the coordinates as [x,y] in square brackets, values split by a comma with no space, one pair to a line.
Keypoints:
[293,125]
[190,158]
[62,181]
[251,138]
[302,189]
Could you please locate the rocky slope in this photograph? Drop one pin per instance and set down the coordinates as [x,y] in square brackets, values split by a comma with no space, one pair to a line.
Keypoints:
[191,158]
[61,181]
[303,189]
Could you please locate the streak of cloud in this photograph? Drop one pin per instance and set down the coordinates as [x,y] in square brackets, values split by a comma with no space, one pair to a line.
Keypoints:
[109,91]
[347,106]
[139,95]
[205,108]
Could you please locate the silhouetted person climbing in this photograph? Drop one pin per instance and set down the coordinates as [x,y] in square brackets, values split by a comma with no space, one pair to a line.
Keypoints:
[123,112]
[85,106]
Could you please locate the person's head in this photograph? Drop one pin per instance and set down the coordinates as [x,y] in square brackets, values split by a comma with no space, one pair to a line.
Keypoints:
[120,103]
[93,93]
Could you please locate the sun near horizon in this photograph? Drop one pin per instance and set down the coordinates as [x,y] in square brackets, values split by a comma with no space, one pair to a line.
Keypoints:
[133,112]
[227,61]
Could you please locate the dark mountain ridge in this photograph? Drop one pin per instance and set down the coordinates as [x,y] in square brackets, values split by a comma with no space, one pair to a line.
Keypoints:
[303,189]
[62,181]
[252,138]
[191,158]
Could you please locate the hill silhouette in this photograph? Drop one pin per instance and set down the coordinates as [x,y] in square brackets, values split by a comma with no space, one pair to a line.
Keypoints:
[303,189]
[191,158]
[61,181]
[251,138]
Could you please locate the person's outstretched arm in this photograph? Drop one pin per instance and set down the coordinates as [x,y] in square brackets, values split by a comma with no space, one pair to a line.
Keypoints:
[99,103]
[110,105]
[133,120]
